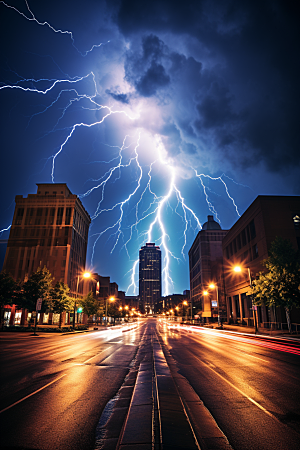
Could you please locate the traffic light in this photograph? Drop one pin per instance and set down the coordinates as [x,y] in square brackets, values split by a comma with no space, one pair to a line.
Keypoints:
[79,310]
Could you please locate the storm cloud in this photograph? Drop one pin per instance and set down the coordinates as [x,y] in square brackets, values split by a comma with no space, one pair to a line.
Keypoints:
[120,98]
[231,66]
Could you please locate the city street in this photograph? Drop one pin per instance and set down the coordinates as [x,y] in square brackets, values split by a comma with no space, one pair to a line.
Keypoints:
[54,388]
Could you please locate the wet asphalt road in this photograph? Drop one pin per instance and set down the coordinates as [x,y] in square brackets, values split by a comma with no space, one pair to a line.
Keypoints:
[250,385]
[54,388]
[69,380]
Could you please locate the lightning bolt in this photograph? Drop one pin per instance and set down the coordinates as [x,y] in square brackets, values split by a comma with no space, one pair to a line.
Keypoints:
[210,206]
[149,207]
[46,24]
[4,229]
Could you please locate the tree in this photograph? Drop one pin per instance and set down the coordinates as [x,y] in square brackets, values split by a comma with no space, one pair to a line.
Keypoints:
[113,310]
[60,300]
[9,292]
[39,285]
[90,305]
[280,285]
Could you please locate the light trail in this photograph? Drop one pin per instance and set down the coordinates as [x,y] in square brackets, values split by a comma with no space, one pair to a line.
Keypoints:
[251,340]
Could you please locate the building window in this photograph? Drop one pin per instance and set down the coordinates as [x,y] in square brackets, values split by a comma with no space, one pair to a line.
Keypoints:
[60,212]
[254,252]
[243,236]
[52,213]
[19,217]
[227,252]
[68,216]
[252,229]
[238,242]
[248,233]
[234,245]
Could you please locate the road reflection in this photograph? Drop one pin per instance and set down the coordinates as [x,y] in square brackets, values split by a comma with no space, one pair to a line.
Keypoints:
[263,341]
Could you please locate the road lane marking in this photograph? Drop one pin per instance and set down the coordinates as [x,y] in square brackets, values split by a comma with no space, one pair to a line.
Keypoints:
[97,354]
[252,356]
[241,392]
[35,392]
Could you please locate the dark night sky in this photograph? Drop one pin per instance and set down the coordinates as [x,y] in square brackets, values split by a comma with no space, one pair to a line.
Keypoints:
[176,89]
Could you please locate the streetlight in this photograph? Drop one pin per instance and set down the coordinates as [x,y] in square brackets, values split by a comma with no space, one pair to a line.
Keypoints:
[215,286]
[185,303]
[111,299]
[238,269]
[84,275]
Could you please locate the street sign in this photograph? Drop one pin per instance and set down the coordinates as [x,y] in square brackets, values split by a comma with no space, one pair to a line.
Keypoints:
[39,304]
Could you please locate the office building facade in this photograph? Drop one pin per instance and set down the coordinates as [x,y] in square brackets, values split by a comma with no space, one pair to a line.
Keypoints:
[149,276]
[247,244]
[206,267]
[49,229]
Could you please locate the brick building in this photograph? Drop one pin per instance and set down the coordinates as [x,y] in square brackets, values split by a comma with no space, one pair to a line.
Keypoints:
[49,228]
[247,244]
[205,267]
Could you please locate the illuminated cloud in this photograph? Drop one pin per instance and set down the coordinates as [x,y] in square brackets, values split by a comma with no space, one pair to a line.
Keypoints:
[201,86]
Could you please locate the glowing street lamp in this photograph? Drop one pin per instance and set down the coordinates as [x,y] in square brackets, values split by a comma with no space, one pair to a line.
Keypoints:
[215,286]
[85,275]
[111,299]
[238,269]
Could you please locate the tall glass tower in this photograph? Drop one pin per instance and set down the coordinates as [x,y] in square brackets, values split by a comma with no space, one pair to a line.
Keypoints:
[149,276]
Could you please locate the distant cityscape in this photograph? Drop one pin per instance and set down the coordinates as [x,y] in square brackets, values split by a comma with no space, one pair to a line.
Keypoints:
[50,229]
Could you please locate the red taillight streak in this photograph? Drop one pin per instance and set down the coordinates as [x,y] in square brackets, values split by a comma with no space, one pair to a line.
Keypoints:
[281,348]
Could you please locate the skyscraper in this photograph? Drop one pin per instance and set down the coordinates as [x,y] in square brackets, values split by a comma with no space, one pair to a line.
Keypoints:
[149,276]
[49,228]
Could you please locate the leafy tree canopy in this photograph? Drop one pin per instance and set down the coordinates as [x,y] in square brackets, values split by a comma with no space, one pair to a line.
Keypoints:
[9,290]
[90,305]
[280,285]
[39,285]
[60,299]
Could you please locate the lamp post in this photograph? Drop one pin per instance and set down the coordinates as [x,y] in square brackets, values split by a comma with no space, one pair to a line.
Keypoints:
[111,299]
[238,269]
[185,303]
[215,286]
[84,275]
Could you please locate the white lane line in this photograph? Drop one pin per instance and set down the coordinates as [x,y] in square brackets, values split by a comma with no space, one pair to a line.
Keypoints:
[241,392]
[252,356]
[35,392]
[97,354]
